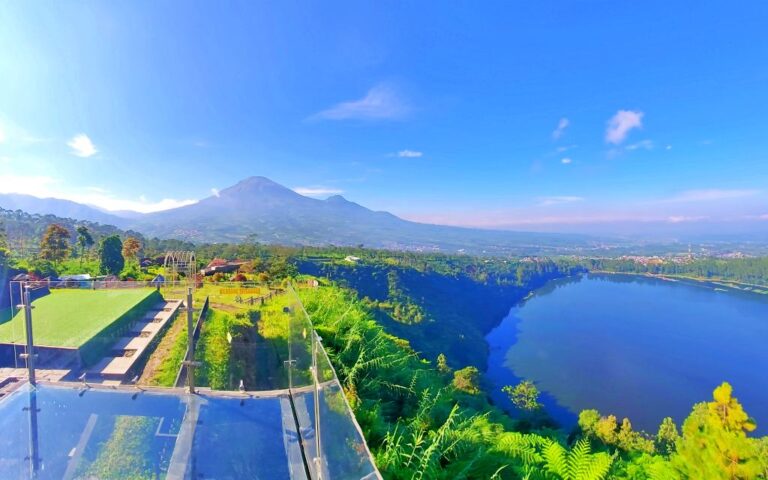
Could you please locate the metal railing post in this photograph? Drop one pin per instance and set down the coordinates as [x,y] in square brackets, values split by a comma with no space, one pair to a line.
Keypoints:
[30,355]
[190,343]
[34,445]
[316,374]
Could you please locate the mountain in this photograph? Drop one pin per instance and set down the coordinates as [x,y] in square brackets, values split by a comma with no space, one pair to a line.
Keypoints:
[59,208]
[258,208]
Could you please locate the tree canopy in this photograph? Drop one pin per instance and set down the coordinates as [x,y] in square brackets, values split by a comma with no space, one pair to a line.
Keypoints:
[111,256]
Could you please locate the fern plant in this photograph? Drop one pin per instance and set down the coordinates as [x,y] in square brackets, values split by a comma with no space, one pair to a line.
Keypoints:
[577,464]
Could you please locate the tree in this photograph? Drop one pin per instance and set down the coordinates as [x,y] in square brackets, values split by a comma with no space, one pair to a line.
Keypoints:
[442,364]
[467,380]
[111,256]
[84,240]
[54,246]
[131,248]
[524,395]
[4,252]
[667,436]
[588,420]
[714,442]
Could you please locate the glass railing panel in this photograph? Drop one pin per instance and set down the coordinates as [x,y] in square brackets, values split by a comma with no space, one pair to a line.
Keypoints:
[254,343]
[69,433]
[344,453]
[12,330]
[55,432]
[243,341]
[333,442]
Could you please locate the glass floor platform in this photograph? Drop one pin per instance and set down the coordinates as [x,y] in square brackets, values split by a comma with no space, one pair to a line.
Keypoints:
[70,432]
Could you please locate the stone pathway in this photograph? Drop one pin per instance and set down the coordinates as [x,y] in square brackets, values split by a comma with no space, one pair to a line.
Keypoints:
[113,369]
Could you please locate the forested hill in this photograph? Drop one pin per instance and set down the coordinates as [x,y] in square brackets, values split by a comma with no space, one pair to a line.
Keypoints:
[23,232]
[443,304]
[749,270]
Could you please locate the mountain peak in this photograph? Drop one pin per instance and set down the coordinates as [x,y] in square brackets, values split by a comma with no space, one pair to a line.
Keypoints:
[254,185]
[256,181]
[336,199]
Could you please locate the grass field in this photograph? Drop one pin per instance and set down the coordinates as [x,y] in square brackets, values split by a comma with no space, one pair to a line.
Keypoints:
[69,318]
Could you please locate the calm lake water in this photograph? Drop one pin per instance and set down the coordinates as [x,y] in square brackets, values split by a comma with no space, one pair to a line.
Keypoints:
[634,346]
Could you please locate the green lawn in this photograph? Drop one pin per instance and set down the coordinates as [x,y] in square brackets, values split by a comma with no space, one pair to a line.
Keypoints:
[69,318]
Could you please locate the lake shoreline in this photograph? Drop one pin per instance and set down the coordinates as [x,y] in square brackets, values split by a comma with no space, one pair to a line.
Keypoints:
[712,283]
[651,322]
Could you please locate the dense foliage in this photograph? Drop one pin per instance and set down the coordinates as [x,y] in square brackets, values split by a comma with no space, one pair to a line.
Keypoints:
[421,423]
[745,270]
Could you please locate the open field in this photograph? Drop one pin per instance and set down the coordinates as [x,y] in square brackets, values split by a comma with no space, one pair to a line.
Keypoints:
[69,318]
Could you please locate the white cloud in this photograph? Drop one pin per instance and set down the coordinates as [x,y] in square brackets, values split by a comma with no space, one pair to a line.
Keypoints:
[82,146]
[712,194]
[557,200]
[643,144]
[566,161]
[317,191]
[42,186]
[561,126]
[565,148]
[215,192]
[409,154]
[668,147]
[620,125]
[380,103]
[763,217]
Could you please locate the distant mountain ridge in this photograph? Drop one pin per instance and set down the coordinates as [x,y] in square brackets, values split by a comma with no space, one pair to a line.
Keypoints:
[59,207]
[259,209]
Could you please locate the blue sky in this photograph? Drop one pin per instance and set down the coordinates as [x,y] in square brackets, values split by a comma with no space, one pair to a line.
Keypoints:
[528,115]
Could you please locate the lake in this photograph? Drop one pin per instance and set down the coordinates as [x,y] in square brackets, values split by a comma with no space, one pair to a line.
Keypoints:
[636,347]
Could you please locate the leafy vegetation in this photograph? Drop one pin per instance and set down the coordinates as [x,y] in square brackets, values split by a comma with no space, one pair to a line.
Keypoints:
[752,271]
[111,256]
[524,395]
[420,424]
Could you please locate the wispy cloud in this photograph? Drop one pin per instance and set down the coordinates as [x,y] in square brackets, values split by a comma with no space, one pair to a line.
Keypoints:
[10,133]
[642,144]
[566,161]
[215,192]
[620,125]
[561,126]
[707,195]
[684,218]
[82,146]
[409,154]
[557,200]
[317,191]
[380,103]
[565,148]
[38,185]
